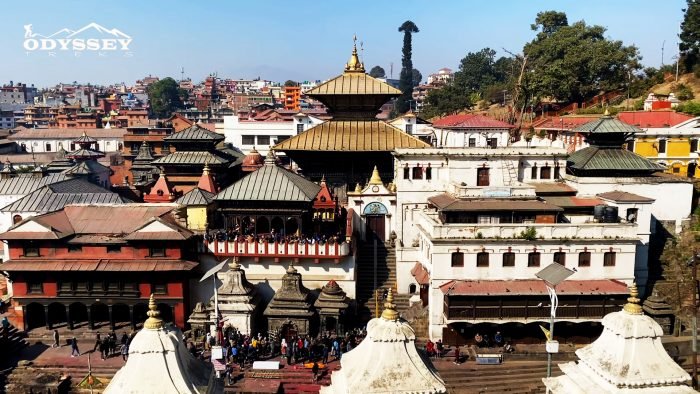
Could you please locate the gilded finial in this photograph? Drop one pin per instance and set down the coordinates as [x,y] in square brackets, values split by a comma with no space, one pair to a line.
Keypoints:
[291,269]
[632,306]
[358,188]
[390,312]
[375,179]
[606,113]
[271,159]
[205,171]
[354,64]
[154,322]
[233,265]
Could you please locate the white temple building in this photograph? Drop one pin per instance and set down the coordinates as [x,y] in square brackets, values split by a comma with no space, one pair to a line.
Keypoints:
[396,365]
[159,362]
[628,357]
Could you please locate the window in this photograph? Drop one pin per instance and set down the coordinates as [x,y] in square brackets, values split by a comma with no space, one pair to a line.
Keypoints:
[48,147]
[75,248]
[693,145]
[560,257]
[630,146]
[472,142]
[114,248]
[281,138]
[263,140]
[482,259]
[533,173]
[428,173]
[248,140]
[556,172]
[35,288]
[160,288]
[406,173]
[676,170]
[458,259]
[492,142]
[417,172]
[609,259]
[300,128]
[482,177]
[584,259]
[72,146]
[509,259]
[662,146]
[31,251]
[409,129]
[533,259]
[546,172]
[16,219]
[157,252]
[631,215]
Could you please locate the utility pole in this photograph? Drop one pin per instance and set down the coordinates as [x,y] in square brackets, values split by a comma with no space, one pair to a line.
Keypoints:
[662,53]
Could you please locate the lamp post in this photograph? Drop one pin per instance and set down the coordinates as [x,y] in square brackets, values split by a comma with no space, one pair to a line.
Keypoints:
[552,275]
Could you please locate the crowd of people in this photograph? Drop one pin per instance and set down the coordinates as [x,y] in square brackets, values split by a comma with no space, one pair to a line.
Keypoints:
[273,236]
[108,345]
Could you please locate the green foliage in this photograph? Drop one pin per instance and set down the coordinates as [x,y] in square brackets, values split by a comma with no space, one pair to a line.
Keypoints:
[406,78]
[549,22]
[416,77]
[573,63]
[598,110]
[639,105]
[683,92]
[165,97]
[529,234]
[690,108]
[690,34]
[447,100]
[377,72]
[290,83]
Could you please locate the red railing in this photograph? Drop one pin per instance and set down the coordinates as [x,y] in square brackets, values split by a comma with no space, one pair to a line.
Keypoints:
[327,250]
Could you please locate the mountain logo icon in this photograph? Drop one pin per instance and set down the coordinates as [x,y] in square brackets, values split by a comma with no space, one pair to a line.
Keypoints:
[91,37]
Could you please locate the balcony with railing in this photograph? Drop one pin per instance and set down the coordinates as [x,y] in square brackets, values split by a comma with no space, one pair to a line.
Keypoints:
[301,249]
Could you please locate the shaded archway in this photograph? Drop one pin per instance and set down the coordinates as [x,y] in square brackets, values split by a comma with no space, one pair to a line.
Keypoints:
[57,315]
[291,226]
[262,225]
[140,314]
[288,332]
[100,314]
[277,224]
[34,316]
[78,314]
[121,316]
[166,312]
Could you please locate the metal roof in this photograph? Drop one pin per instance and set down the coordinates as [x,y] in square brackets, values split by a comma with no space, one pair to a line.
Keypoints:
[85,168]
[607,124]
[196,157]
[446,202]
[271,183]
[620,196]
[194,133]
[72,191]
[351,136]
[70,134]
[26,183]
[353,84]
[470,121]
[99,265]
[598,158]
[196,196]
[531,287]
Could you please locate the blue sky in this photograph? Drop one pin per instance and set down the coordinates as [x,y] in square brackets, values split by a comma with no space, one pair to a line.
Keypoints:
[303,39]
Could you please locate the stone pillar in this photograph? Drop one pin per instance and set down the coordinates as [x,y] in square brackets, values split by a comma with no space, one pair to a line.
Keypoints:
[46,316]
[131,317]
[91,324]
[111,318]
[68,318]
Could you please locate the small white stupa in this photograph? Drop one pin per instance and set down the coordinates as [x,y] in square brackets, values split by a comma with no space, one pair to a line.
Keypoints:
[628,357]
[386,361]
[159,362]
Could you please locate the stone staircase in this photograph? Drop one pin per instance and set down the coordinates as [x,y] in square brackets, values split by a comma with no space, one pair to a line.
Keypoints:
[513,377]
[290,379]
[386,278]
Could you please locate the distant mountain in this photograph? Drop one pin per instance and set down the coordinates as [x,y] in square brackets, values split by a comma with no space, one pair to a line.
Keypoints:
[93,28]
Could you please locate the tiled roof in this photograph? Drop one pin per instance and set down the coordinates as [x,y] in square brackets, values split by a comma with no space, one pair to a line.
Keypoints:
[196,157]
[99,265]
[71,134]
[468,121]
[620,196]
[85,168]
[196,196]
[532,287]
[446,202]
[606,124]
[596,158]
[53,197]
[353,84]
[85,154]
[194,133]
[351,136]
[24,184]
[573,202]
[271,183]
[421,274]
[552,188]
[653,118]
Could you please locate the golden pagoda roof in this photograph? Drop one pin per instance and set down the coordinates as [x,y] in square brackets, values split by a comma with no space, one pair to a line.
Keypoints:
[353,83]
[351,136]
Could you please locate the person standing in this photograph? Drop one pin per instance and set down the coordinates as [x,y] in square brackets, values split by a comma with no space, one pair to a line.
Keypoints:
[56,339]
[283,347]
[125,352]
[457,355]
[74,352]
[98,342]
[439,348]
[5,327]
[314,370]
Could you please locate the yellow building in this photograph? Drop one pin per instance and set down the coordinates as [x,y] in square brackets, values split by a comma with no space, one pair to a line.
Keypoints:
[674,147]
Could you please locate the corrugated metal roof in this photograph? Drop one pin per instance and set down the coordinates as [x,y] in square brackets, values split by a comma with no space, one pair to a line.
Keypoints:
[446,202]
[597,158]
[271,183]
[195,157]
[620,196]
[108,219]
[196,196]
[194,133]
[532,287]
[71,134]
[573,202]
[25,183]
[471,121]
[606,124]
[99,265]
[353,84]
[74,191]
[351,135]
[85,168]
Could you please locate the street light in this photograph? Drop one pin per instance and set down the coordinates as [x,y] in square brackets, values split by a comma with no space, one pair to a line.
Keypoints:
[552,275]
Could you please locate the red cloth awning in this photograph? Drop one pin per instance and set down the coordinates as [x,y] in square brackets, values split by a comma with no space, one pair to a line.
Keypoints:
[98,265]
[531,287]
[421,274]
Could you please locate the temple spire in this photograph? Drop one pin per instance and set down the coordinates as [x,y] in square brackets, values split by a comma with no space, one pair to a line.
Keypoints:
[632,306]
[154,322]
[375,179]
[390,312]
[354,65]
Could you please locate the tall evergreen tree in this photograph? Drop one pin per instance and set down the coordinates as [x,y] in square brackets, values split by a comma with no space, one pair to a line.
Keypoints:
[406,79]
[690,34]
[165,97]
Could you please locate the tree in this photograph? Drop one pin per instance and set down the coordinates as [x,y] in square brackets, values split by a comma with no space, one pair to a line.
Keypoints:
[406,79]
[416,77]
[574,63]
[549,22]
[290,83]
[476,70]
[165,97]
[446,100]
[377,72]
[690,34]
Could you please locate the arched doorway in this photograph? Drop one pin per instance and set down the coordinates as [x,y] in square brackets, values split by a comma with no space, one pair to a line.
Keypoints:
[34,316]
[57,315]
[375,218]
[289,332]
[121,316]
[100,314]
[291,226]
[140,314]
[691,170]
[166,312]
[277,224]
[78,314]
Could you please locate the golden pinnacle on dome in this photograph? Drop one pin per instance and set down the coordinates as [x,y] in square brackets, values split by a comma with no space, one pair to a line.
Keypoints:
[205,171]
[390,312]
[154,322]
[358,188]
[233,264]
[632,306]
[291,269]
[354,65]
[606,113]
[375,179]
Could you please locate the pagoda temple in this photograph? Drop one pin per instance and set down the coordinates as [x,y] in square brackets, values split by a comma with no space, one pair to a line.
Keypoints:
[237,300]
[60,163]
[331,305]
[290,313]
[86,165]
[142,170]
[346,148]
